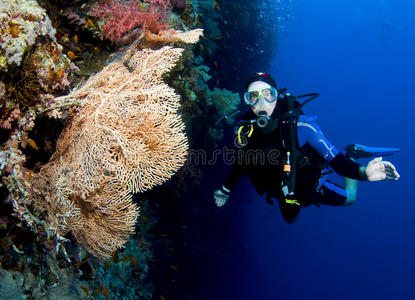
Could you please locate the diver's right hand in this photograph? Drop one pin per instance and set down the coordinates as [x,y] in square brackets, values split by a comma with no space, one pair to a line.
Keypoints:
[377,169]
[221,196]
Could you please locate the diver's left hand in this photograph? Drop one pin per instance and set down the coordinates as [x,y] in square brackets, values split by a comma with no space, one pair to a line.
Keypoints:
[377,169]
[220,197]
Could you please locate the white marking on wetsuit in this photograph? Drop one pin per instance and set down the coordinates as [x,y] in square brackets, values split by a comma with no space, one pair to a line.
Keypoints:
[306,125]
[328,149]
[329,152]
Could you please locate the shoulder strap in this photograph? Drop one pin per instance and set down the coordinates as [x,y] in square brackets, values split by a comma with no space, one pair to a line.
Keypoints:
[288,128]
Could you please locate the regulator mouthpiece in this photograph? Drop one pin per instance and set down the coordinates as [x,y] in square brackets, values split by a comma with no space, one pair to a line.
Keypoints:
[262,120]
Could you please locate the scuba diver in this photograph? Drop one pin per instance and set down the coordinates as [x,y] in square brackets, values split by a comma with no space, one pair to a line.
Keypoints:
[285,154]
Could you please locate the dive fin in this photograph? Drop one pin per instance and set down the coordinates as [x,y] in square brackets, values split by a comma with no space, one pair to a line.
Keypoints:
[356,151]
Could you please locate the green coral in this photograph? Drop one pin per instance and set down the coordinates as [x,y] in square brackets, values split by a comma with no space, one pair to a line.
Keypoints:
[224,101]
[3,62]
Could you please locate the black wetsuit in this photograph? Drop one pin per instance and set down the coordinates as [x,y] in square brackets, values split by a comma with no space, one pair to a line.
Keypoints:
[261,161]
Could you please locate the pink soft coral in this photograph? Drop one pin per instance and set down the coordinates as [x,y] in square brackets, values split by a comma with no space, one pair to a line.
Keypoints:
[120,17]
[7,121]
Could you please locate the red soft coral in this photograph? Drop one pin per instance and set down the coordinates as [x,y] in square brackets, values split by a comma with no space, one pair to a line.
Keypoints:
[155,20]
[120,17]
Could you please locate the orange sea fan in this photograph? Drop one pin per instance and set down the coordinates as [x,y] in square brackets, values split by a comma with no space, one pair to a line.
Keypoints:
[125,137]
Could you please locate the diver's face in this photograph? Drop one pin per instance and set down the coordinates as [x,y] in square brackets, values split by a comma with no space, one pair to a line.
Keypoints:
[267,100]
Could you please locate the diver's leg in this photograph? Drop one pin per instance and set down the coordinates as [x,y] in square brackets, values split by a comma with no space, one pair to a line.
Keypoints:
[350,185]
[332,194]
[289,211]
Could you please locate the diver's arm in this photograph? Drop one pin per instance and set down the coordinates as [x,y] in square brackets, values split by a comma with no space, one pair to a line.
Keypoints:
[309,132]
[346,167]
[234,176]
[221,195]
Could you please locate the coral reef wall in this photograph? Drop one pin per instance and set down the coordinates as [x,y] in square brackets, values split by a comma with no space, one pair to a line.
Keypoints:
[98,105]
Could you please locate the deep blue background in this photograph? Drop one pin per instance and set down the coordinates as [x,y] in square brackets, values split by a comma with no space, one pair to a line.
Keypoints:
[360,56]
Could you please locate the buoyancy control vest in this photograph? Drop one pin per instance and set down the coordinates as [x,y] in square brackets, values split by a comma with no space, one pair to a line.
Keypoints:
[281,157]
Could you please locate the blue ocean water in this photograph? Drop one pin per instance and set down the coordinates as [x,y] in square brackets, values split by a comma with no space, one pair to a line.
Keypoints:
[359,55]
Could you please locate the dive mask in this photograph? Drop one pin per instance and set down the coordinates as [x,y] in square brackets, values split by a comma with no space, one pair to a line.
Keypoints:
[253,97]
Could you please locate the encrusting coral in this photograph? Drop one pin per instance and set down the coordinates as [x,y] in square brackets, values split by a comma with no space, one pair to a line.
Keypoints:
[33,67]
[125,137]
[22,22]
